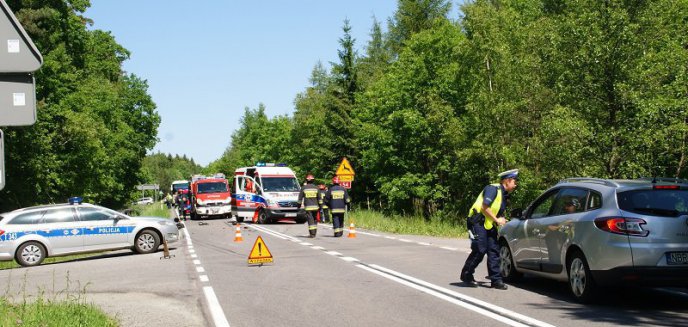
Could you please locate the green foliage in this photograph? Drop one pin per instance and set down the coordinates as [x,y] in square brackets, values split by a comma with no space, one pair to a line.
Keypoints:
[95,123]
[163,169]
[43,312]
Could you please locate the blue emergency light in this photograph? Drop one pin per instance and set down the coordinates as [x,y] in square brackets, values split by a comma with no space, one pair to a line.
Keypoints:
[76,200]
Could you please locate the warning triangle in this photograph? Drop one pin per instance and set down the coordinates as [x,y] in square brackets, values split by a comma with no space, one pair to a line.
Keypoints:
[260,253]
[18,54]
[345,168]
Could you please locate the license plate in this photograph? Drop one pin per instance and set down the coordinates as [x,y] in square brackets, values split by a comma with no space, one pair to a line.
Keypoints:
[290,214]
[214,210]
[677,258]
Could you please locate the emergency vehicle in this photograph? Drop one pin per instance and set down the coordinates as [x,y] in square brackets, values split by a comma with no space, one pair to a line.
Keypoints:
[210,196]
[266,192]
[179,185]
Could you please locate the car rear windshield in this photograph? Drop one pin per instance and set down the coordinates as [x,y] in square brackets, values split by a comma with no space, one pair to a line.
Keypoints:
[212,187]
[664,203]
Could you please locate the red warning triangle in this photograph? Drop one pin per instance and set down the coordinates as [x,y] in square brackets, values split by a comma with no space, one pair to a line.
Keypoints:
[260,253]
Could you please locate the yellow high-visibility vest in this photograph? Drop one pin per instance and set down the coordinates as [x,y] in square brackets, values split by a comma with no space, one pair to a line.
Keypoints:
[495,206]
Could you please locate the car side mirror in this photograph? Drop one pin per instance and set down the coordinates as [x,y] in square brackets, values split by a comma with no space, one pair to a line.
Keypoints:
[516,213]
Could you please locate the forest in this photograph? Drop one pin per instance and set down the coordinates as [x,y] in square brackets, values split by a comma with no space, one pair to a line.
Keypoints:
[428,110]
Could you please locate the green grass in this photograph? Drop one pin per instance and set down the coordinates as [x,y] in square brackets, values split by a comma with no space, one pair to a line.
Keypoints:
[152,210]
[405,224]
[41,312]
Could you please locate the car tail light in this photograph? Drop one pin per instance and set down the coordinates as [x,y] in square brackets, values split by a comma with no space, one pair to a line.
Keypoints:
[623,226]
[2,232]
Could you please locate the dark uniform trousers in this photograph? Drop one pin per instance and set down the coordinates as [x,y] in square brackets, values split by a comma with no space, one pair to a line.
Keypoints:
[338,223]
[484,242]
[312,222]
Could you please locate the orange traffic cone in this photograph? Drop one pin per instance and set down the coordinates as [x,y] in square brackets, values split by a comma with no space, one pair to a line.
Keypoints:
[352,231]
[237,234]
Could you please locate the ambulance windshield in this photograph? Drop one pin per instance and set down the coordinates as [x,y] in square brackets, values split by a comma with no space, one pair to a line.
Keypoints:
[280,184]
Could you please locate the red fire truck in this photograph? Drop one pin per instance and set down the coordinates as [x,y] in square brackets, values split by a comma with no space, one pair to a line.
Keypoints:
[210,196]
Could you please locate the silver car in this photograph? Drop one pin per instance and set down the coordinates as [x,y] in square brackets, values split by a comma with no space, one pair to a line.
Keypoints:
[30,235]
[598,232]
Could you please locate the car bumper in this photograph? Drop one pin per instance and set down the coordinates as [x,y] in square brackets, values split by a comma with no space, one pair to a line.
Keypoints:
[214,210]
[293,214]
[643,276]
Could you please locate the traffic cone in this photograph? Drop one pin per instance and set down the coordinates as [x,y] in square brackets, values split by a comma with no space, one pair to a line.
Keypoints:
[237,234]
[352,231]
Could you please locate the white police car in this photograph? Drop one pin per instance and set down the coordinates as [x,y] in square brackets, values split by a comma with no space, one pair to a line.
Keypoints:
[31,234]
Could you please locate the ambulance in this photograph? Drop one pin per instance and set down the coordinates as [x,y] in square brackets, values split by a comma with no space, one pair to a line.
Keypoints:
[265,193]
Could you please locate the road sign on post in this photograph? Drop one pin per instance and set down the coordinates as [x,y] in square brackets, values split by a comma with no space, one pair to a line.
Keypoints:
[18,54]
[17,100]
[2,160]
[346,173]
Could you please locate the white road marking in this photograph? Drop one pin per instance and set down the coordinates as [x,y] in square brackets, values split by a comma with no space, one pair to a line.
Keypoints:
[215,309]
[197,262]
[317,247]
[487,309]
[213,304]
[424,243]
[306,243]
[405,240]
[390,237]
[448,248]
[194,255]
[512,318]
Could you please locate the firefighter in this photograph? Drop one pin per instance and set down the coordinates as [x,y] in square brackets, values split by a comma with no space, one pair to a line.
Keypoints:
[486,212]
[337,199]
[324,209]
[308,198]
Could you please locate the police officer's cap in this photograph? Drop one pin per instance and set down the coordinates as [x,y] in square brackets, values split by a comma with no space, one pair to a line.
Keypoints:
[509,174]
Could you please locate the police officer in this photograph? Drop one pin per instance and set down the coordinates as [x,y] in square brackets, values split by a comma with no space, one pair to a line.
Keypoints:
[337,198]
[324,209]
[308,198]
[486,212]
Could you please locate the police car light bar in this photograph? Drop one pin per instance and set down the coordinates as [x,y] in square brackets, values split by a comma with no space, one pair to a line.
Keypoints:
[76,200]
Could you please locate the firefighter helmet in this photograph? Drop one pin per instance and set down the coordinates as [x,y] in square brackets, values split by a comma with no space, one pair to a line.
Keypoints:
[310,177]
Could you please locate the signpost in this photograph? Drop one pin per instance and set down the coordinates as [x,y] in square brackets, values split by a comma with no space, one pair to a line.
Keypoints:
[346,173]
[19,58]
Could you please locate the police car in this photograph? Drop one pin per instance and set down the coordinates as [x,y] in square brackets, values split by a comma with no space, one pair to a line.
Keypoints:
[31,234]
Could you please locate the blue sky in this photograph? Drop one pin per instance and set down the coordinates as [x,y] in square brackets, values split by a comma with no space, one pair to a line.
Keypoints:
[205,61]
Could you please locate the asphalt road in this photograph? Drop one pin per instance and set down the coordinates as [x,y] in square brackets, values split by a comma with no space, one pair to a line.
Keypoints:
[373,279]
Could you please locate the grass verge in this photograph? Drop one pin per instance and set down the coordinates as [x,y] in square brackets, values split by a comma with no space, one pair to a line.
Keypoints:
[405,224]
[43,312]
[152,210]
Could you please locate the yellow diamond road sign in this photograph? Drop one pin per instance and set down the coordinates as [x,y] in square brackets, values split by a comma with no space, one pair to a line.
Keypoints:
[260,253]
[345,168]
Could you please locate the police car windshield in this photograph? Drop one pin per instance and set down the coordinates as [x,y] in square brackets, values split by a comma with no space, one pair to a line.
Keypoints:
[212,187]
[280,184]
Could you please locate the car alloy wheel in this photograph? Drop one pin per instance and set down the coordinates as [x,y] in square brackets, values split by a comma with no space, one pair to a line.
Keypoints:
[506,264]
[30,254]
[147,242]
[577,277]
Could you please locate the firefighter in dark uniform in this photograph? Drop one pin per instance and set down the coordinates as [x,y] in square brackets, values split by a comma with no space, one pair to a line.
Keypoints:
[337,198]
[324,209]
[486,212]
[308,198]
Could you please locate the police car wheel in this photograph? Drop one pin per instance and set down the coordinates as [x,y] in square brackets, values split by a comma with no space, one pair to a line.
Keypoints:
[30,254]
[506,264]
[239,219]
[147,242]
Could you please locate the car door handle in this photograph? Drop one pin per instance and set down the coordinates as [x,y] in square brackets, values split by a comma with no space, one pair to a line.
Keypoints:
[536,231]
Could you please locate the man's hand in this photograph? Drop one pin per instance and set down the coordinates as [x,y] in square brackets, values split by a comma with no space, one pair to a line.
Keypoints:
[501,221]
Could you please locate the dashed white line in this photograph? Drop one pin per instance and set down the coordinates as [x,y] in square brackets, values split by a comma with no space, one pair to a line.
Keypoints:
[405,240]
[197,262]
[317,247]
[448,248]
[200,269]
[306,243]
[333,253]
[203,278]
[349,259]
[424,243]
[215,309]
[192,251]
[194,255]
